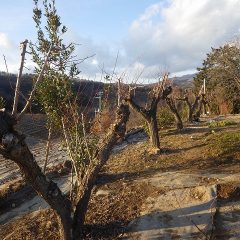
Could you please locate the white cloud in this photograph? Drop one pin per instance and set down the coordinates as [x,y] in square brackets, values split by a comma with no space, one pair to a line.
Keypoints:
[171,35]
[177,35]
[5,43]
[10,51]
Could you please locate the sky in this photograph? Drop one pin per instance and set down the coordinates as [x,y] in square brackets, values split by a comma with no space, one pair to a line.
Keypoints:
[148,36]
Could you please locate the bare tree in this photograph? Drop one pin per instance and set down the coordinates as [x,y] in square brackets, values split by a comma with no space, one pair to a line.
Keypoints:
[172,105]
[160,91]
[192,107]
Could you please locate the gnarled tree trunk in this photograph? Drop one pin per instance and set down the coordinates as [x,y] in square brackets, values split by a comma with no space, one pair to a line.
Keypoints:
[153,130]
[150,115]
[174,110]
[102,154]
[191,107]
[13,147]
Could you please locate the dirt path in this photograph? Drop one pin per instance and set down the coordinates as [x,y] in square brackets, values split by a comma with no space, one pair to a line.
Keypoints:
[186,209]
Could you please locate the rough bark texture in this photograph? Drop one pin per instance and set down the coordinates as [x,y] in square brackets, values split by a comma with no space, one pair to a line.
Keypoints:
[150,115]
[174,110]
[191,107]
[102,154]
[153,131]
[13,147]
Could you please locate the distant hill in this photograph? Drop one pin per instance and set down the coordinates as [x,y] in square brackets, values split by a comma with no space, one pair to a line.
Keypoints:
[184,81]
[85,89]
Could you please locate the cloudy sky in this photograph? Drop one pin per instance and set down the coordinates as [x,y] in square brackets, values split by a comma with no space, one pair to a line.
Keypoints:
[149,35]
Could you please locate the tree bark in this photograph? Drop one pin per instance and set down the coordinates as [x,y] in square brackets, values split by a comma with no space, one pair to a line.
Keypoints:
[153,131]
[13,147]
[150,115]
[174,110]
[102,154]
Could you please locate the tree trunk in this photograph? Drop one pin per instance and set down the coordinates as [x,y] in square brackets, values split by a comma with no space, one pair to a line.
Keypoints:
[102,154]
[13,147]
[190,115]
[178,121]
[153,131]
[174,110]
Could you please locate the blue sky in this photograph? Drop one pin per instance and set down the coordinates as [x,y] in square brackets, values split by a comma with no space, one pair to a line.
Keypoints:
[102,20]
[150,35]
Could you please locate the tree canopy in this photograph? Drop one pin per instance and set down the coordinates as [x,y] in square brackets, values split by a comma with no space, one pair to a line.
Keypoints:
[221,70]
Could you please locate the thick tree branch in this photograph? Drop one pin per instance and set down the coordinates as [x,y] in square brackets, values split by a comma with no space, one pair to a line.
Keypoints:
[101,156]
[174,110]
[13,147]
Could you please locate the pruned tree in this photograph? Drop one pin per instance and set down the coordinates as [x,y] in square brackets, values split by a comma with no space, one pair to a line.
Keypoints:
[70,213]
[149,113]
[172,106]
[192,107]
[55,68]
[203,105]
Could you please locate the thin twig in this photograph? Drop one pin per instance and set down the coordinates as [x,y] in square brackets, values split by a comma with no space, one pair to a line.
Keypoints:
[69,149]
[5,63]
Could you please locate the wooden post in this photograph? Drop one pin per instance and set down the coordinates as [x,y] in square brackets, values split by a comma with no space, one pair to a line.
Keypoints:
[18,83]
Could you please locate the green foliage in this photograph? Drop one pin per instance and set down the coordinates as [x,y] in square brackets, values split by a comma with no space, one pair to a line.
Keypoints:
[2,102]
[221,70]
[165,118]
[223,123]
[225,143]
[184,112]
[54,92]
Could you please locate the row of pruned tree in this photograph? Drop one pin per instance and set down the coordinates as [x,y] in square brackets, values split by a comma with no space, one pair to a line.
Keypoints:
[56,65]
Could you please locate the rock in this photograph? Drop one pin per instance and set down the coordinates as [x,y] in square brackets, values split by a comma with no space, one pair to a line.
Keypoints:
[102,192]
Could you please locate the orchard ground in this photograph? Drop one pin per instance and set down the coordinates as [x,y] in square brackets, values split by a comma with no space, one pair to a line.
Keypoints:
[189,191]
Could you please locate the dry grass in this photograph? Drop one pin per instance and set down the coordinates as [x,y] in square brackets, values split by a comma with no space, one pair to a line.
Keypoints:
[117,199]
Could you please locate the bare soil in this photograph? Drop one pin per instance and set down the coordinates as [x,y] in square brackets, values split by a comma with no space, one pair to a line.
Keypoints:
[119,196]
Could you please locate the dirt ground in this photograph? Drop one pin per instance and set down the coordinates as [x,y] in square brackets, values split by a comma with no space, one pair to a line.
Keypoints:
[122,187]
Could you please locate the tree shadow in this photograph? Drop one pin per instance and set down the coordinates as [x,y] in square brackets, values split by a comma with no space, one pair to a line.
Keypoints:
[189,130]
[193,222]
[167,151]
